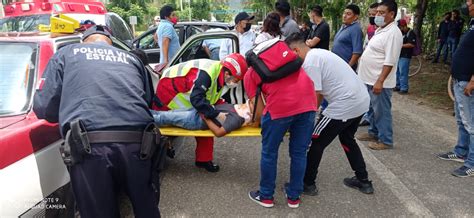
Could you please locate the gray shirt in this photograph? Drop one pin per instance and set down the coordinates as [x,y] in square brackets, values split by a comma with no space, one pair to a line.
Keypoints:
[233,121]
[289,26]
[333,78]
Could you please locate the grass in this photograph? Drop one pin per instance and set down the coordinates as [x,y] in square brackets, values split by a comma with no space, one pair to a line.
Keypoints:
[430,85]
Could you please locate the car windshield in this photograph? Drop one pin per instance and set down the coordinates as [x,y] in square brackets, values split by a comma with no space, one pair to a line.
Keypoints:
[17,67]
[23,23]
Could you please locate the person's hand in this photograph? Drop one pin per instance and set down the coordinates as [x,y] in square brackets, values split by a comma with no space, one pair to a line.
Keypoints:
[438,40]
[221,117]
[468,89]
[308,43]
[378,87]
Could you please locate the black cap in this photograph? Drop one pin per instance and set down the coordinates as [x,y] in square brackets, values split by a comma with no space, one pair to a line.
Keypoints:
[243,16]
[97,29]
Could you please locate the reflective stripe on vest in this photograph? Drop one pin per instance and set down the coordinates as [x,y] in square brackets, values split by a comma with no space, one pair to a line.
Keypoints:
[211,67]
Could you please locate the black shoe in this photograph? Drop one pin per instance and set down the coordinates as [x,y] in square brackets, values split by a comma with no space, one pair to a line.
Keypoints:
[363,186]
[364,123]
[403,92]
[434,61]
[396,89]
[209,166]
[311,190]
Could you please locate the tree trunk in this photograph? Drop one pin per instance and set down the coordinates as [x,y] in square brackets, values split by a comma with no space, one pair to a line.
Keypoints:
[421,7]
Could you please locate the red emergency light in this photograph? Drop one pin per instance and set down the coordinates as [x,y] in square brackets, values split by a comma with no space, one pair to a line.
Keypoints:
[32,7]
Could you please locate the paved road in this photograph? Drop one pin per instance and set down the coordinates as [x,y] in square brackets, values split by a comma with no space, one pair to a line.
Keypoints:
[409,180]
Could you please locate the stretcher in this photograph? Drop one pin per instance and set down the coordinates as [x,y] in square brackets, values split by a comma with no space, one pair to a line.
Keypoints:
[246,131]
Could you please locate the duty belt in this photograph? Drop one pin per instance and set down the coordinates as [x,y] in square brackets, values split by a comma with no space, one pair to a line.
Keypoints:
[115,136]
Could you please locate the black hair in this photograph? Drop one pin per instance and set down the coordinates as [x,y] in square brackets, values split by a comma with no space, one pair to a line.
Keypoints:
[283,7]
[456,11]
[318,10]
[295,38]
[374,5]
[447,14]
[141,55]
[166,11]
[391,6]
[354,8]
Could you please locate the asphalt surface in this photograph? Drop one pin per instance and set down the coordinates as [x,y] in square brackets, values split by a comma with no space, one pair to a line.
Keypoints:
[409,180]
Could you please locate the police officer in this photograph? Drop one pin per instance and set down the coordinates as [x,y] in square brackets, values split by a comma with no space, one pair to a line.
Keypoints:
[198,84]
[107,90]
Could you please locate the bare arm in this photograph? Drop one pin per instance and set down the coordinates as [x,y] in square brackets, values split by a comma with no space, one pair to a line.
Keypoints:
[378,86]
[408,45]
[166,46]
[354,59]
[313,42]
[258,112]
[319,99]
[216,130]
[206,49]
[469,87]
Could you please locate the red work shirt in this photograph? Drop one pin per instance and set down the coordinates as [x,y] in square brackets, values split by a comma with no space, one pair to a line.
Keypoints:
[285,97]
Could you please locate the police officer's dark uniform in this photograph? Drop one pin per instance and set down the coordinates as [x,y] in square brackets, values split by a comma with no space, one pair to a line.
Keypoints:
[105,88]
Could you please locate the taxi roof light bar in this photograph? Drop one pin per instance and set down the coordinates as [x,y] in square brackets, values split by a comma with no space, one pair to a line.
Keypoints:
[60,24]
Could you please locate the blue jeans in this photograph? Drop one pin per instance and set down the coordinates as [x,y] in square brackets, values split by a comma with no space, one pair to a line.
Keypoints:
[300,127]
[381,117]
[452,44]
[442,46]
[187,119]
[464,108]
[402,73]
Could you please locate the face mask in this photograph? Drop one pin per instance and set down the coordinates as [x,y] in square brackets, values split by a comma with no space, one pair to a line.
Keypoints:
[247,27]
[231,84]
[174,20]
[465,9]
[379,21]
[372,20]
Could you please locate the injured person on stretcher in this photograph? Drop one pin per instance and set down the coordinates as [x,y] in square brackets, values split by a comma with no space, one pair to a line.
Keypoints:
[231,117]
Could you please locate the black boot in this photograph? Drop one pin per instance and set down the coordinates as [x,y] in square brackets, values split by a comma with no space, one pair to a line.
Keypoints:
[209,166]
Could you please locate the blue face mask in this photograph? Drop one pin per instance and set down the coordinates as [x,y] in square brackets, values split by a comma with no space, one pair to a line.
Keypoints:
[379,21]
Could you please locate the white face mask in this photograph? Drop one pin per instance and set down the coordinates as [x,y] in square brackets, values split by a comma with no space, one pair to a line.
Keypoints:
[231,84]
[379,21]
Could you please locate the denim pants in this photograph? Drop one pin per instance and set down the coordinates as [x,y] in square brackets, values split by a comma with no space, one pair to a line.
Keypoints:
[464,108]
[452,44]
[402,73]
[187,119]
[442,46]
[381,117]
[300,127]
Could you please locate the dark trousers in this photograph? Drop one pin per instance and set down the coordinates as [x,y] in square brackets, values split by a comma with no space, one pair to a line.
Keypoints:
[324,133]
[112,167]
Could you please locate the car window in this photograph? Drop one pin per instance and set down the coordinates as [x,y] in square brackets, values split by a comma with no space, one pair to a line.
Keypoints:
[23,23]
[118,27]
[148,42]
[18,61]
[193,47]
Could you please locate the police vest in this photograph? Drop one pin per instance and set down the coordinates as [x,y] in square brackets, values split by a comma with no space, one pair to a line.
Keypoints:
[211,67]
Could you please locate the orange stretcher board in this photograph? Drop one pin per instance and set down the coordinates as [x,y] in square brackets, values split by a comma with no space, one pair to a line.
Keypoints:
[242,132]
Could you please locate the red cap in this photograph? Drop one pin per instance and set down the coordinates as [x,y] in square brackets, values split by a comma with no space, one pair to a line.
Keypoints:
[236,64]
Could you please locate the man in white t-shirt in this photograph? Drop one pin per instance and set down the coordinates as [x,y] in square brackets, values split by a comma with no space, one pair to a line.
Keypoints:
[377,69]
[347,97]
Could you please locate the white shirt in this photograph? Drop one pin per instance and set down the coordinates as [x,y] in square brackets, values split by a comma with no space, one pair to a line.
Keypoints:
[246,42]
[333,78]
[383,49]
[264,36]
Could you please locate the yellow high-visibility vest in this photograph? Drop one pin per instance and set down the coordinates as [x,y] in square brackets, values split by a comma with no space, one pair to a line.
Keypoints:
[211,67]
